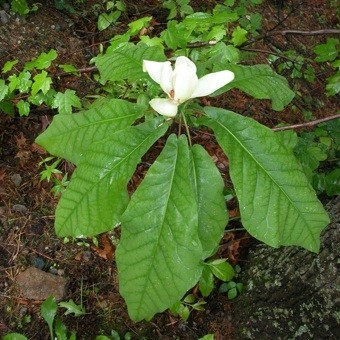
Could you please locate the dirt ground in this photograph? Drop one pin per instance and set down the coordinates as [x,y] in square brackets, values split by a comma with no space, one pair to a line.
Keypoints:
[27,205]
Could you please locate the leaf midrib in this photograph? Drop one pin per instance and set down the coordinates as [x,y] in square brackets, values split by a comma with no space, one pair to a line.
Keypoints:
[80,127]
[268,174]
[141,301]
[106,174]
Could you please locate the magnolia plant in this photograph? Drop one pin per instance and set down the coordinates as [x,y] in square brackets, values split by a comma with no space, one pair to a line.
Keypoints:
[173,222]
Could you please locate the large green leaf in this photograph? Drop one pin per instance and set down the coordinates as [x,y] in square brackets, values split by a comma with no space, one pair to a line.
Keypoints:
[126,61]
[212,213]
[277,204]
[97,195]
[261,82]
[69,135]
[159,254]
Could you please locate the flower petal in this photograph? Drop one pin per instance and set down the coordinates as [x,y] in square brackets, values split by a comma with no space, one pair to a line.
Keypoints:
[160,72]
[212,82]
[165,107]
[166,79]
[184,79]
[180,61]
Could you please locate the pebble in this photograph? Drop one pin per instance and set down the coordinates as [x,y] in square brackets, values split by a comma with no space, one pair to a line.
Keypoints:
[87,256]
[4,17]
[38,262]
[57,27]
[61,272]
[36,284]
[53,270]
[16,179]
[23,311]
[182,326]
[19,208]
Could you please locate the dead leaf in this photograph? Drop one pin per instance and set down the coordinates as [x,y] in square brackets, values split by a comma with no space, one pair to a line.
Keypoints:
[2,175]
[234,213]
[23,156]
[78,257]
[38,149]
[230,247]
[45,122]
[20,140]
[107,251]
[233,251]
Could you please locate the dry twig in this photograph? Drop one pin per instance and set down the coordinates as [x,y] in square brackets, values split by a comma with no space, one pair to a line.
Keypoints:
[306,125]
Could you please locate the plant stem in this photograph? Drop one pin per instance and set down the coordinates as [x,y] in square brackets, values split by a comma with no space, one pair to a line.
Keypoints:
[186,126]
[235,229]
[180,126]
[81,293]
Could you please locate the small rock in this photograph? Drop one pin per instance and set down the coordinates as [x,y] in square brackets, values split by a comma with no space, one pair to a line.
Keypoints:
[23,311]
[61,272]
[38,262]
[19,208]
[36,284]
[87,256]
[182,326]
[4,17]
[16,179]
[57,27]
[53,270]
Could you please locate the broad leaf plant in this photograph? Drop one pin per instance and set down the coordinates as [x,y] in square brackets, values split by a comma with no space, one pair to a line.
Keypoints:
[175,219]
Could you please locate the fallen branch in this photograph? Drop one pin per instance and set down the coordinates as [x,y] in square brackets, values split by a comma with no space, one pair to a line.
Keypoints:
[266,52]
[308,124]
[267,34]
[292,32]
[89,69]
[214,42]
[317,32]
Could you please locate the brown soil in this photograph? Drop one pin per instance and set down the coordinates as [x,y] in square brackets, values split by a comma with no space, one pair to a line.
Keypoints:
[27,235]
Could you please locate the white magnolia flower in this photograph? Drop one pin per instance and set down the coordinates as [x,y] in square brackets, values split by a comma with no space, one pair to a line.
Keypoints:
[182,83]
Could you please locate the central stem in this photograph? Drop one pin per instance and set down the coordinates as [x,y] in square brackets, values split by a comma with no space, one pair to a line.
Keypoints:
[186,124]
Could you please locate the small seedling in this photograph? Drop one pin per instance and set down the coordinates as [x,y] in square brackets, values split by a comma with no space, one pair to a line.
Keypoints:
[231,288]
[51,173]
[48,312]
[183,308]
[214,268]
[72,307]
[50,169]
[114,336]
[207,337]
